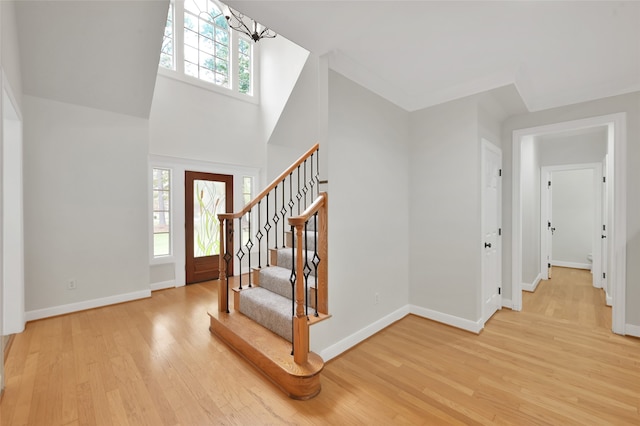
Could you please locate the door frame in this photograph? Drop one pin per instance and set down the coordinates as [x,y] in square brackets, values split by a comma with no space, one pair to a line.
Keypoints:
[190,260]
[617,143]
[545,213]
[177,260]
[486,145]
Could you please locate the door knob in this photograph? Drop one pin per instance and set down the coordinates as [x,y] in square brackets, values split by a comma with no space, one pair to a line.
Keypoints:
[487,245]
[603,236]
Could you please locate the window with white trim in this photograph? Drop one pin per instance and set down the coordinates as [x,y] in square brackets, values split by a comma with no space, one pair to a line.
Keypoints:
[199,44]
[161,212]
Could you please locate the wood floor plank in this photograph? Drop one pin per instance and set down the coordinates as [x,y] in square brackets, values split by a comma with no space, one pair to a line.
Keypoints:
[154,361]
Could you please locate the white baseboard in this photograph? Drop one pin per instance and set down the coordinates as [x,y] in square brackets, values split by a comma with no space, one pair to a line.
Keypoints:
[507,303]
[532,287]
[84,305]
[575,265]
[163,285]
[465,324]
[360,335]
[632,330]
[608,299]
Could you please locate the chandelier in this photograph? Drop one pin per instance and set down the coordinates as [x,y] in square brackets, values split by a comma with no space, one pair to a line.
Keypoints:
[253,29]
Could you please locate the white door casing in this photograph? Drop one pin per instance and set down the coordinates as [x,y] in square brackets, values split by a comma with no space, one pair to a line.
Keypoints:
[604,228]
[547,224]
[491,244]
[617,207]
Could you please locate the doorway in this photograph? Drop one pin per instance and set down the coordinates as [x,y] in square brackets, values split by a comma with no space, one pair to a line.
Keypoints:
[616,171]
[206,196]
[571,220]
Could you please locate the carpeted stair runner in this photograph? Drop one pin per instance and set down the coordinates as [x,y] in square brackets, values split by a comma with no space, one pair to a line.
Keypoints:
[269,302]
[285,259]
[268,309]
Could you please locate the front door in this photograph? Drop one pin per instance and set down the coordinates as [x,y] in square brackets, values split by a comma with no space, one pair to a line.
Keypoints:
[206,195]
[491,232]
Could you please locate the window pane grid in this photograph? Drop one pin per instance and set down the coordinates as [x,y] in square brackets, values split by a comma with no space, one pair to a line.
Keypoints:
[244,66]
[207,48]
[161,212]
[167,52]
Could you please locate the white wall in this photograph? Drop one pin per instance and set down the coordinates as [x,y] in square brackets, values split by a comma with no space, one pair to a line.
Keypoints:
[584,148]
[193,123]
[573,216]
[630,104]
[281,62]
[368,213]
[530,167]
[86,212]
[297,128]
[444,218]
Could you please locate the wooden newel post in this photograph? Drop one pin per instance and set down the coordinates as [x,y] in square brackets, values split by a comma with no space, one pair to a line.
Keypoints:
[223,296]
[300,323]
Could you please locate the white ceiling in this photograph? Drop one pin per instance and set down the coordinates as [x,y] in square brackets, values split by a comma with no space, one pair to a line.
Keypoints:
[421,53]
[104,53]
[100,54]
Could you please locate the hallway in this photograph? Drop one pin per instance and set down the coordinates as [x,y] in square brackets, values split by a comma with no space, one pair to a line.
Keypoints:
[569,296]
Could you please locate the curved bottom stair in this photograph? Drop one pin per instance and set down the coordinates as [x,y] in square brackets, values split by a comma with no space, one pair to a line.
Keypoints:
[269,354]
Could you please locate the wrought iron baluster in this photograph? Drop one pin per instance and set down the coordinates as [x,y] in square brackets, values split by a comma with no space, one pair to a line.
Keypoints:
[267,227]
[276,218]
[249,244]
[316,260]
[283,212]
[307,271]
[228,229]
[292,280]
[291,203]
[240,253]
[299,194]
[305,189]
[259,236]
[317,176]
[312,181]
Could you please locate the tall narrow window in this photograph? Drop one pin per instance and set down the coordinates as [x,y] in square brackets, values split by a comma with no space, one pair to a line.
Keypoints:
[161,212]
[244,66]
[167,53]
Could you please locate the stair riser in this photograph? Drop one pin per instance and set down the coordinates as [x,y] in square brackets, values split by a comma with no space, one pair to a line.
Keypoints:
[283,259]
[311,238]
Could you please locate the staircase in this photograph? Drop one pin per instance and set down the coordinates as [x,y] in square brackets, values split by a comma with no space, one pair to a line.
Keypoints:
[275,303]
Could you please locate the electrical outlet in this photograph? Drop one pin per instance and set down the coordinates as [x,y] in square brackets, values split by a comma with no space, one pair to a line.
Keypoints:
[376,298]
[71,285]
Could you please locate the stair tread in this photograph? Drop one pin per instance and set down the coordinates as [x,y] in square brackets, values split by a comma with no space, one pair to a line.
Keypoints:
[276,279]
[269,309]
[285,259]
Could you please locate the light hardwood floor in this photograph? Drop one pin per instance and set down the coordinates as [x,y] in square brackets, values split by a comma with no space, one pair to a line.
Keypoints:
[154,362]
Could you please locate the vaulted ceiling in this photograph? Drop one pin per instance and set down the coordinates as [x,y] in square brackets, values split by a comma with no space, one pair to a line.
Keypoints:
[421,53]
[104,54]
[100,54]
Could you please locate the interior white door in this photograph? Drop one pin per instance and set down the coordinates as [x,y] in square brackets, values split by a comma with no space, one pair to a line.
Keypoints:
[491,229]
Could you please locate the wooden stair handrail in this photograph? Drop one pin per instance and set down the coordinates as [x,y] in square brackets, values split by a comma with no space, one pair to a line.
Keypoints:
[272,185]
[310,211]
